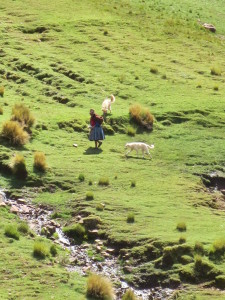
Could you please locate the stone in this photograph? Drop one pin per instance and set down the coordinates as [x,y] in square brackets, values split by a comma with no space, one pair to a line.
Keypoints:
[24,209]
[110,250]
[14,209]
[21,201]
[2,204]
[209,27]
[98,248]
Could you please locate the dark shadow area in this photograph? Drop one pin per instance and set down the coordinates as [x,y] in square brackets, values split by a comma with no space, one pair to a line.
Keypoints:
[92,151]
[138,157]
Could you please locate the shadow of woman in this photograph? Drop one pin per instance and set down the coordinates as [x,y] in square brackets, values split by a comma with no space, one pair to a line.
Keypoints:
[92,151]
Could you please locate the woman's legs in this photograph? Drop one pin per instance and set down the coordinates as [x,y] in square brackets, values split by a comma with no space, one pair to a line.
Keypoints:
[98,144]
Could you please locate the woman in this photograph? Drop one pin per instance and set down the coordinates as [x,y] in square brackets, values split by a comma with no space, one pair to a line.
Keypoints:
[96,132]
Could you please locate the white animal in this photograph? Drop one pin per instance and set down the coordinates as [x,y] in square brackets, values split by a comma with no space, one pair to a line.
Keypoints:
[106,104]
[139,146]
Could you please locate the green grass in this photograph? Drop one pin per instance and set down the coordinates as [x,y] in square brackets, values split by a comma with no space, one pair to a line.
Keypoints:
[84,55]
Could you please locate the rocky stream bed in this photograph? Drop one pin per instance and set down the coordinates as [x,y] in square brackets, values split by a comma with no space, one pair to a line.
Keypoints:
[38,217]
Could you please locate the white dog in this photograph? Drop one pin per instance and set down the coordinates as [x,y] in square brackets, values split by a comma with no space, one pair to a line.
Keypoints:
[139,146]
[106,104]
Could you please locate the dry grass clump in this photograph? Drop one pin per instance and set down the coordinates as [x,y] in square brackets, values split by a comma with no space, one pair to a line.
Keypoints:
[22,114]
[99,287]
[14,133]
[2,90]
[141,116]
[18,166]
[129,295]
[40,161]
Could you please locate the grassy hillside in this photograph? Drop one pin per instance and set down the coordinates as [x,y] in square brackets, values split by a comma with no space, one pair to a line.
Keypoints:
[61,58]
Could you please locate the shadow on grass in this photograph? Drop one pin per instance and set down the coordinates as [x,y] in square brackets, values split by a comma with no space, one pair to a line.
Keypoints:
[138,157]
[92,151]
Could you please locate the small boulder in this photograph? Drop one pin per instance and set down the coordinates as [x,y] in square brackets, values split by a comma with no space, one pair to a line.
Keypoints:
[14,209]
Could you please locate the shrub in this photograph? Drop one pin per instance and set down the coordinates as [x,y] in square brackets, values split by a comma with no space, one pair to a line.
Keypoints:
[12,232]
[2,90]
[215,70]
[40,250]
[40,161]
[182,240]
[99,287]
[14,133]
[1,111]
[18,166]
[131,131]
[130,217]
[154,70]
[103,181]
[23,227]
[141,116]
[53,250]
[81,177]
[76,231]
[21,114]
[181,226]
[129,295]
[199,248]
[89,196]
[133,183]
[99,207]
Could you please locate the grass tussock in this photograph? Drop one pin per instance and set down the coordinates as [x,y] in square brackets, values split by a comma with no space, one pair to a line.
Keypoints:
[154,70]
[89,196]
[131,131]
[103,181]
[133,183]
[40,161]
[76,231]
[141,116]
[18,166]
[181,226]
[218,247]
[40,250]
[14,133]
[12,232]
[1,111]
[199,248]
[81,177]
[130,217]
[215,70]
[182,240]
[99,207]
[2,91]
[22,114]
[23,228]
[99,287]
[53,250]
[129,295]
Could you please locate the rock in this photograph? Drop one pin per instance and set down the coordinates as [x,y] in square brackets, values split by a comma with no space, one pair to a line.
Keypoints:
[21,201]
[93,233]
[14,209]
[98,248]
[109,250]
[127,269]
[209,27]
[105,254]
[75,145]
[50,229]
[223,192]
[25,209]
[2,204]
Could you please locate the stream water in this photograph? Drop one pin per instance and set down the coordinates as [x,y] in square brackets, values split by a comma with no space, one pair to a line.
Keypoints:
[80,261]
